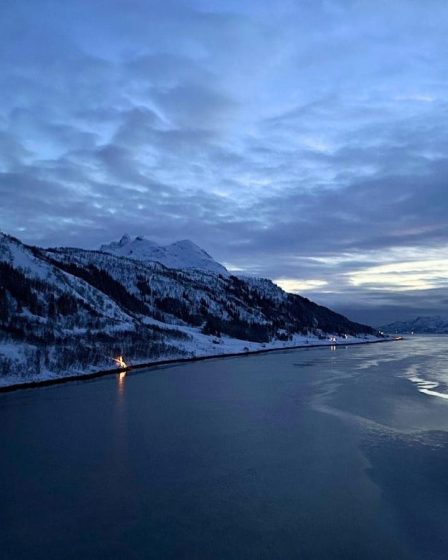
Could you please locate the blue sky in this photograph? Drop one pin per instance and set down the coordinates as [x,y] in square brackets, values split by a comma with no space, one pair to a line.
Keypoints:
[303,141]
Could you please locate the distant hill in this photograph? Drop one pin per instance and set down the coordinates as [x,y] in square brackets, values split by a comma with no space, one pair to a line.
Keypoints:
[419,325]
[66,310]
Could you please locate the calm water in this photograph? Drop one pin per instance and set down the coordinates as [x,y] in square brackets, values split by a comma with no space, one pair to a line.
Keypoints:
[309,454]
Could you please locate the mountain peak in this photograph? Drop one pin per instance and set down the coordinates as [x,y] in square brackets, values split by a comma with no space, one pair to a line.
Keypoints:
[124,240]
[183,254]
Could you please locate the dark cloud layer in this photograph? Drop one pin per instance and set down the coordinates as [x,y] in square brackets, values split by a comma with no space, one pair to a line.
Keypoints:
[304,141]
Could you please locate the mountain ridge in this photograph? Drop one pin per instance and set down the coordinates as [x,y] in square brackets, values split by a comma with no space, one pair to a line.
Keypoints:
[183,254]
[430,324]
[65,310]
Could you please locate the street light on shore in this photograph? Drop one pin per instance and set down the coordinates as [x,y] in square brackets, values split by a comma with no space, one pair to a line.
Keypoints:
[120,362]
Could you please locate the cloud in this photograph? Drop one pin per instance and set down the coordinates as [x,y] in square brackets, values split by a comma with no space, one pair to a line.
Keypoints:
[305,142]
[299,286]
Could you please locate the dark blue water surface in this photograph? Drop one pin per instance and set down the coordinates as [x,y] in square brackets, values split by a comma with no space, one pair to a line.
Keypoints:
[308,454]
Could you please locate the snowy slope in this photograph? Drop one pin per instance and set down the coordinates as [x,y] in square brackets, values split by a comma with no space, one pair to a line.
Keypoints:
[179,255]
[68,310]
[55,322]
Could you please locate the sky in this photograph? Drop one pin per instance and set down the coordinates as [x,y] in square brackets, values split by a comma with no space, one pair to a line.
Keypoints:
[302,141]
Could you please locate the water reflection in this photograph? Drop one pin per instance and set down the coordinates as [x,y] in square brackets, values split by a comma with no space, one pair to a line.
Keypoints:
[120,426]
[121,378]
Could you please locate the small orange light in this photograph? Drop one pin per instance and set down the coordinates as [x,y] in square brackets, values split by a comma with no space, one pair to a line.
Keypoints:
[120,362]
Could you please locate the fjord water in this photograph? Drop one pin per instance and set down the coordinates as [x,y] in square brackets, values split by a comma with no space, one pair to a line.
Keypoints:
[310,454]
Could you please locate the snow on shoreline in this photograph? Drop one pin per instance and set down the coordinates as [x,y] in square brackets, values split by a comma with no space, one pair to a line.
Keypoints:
[200,347]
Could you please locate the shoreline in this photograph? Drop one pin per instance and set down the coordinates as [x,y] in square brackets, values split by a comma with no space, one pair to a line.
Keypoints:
[174,361]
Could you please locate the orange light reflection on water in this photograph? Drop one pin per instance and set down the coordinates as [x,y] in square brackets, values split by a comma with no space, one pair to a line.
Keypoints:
[121,378]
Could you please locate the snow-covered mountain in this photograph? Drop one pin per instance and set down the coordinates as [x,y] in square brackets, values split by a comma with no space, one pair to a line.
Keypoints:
[179,255]
[419,325]
[68,310]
